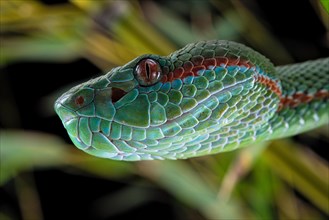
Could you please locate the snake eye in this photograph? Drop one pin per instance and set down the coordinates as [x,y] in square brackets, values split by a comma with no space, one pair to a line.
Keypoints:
[148,72]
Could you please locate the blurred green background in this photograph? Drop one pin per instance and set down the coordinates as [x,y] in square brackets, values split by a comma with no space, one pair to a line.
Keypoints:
[47,46]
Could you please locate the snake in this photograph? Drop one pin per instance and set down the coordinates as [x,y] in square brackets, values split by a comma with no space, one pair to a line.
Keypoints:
[205,98]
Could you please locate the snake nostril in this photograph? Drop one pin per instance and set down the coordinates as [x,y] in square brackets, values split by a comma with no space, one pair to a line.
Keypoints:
[79,100]
[117,94]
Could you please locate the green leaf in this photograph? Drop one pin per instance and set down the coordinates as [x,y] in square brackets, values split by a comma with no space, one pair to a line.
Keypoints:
[23,150]
[189,187]
[325,4]
[292,164]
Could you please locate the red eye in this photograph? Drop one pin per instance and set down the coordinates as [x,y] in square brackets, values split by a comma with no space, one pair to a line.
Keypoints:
[148,72]
[79,100]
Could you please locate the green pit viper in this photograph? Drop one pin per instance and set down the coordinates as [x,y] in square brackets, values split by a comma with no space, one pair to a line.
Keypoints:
[206,98]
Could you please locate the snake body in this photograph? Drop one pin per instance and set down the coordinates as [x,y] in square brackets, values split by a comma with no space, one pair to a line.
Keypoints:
[206,98]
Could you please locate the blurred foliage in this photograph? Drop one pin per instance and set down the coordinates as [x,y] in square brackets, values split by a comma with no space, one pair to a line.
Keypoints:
[325,4]
[258,182]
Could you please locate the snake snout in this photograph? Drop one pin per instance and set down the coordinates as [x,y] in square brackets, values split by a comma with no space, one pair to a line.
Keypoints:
[63,112]
[74,100]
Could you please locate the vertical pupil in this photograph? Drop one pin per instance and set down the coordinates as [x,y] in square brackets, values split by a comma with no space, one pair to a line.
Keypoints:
[148,71]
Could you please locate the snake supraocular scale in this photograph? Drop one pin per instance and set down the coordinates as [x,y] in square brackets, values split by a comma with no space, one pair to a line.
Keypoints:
[206,98]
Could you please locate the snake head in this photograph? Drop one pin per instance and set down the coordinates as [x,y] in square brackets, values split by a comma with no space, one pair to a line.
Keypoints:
[98,110]
[203,98]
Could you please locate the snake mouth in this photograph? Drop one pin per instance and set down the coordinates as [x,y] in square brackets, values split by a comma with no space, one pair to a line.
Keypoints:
[65,113]
[84,137]
[70,120]
[95,142]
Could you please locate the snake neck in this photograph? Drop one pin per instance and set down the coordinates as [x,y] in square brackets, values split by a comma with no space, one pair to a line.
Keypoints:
[304,82]
[304,101]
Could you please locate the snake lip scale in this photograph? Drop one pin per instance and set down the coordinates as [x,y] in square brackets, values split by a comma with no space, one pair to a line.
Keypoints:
[206,98]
